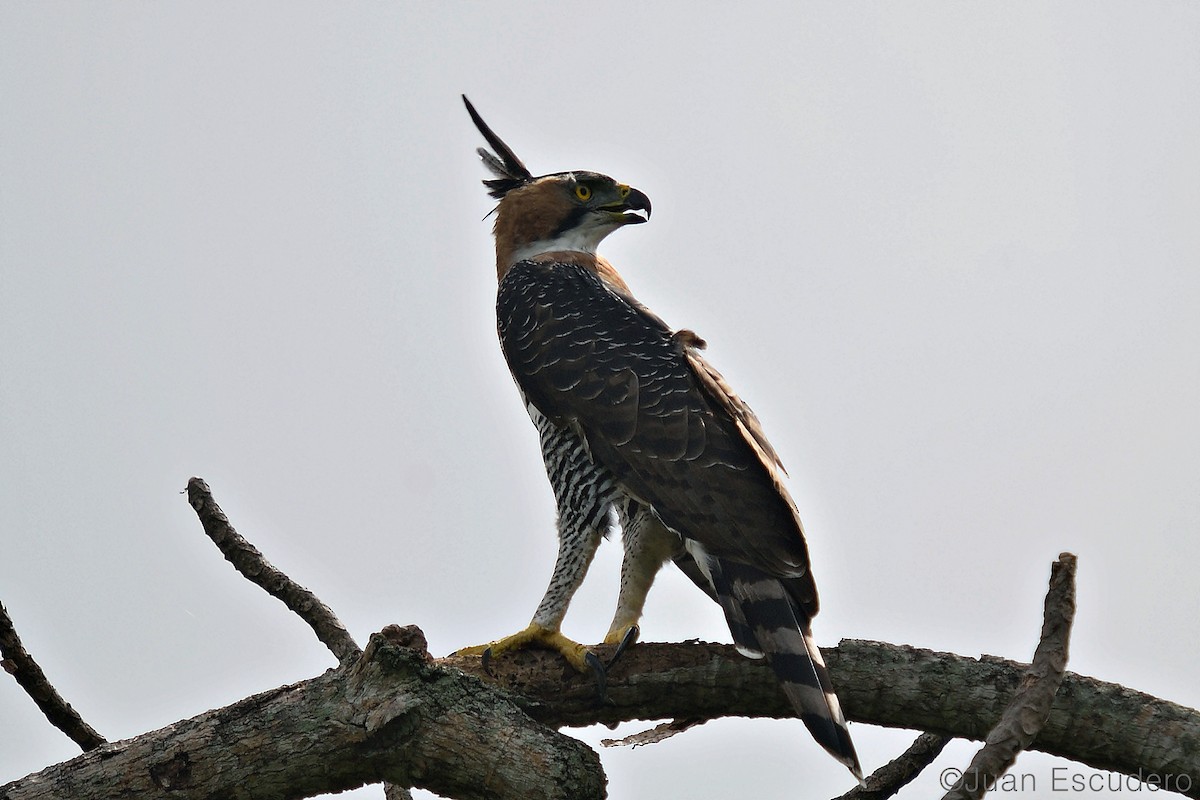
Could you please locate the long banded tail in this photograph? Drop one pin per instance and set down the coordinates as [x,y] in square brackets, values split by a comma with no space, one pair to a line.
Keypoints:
[766,620]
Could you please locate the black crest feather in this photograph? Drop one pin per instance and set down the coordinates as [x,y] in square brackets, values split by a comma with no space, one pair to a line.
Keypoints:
[509,171]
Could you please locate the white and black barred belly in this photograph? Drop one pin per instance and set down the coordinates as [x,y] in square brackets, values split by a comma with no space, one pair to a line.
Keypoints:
[585,490]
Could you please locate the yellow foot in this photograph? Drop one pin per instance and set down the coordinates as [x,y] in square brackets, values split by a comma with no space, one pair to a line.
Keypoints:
[536,636]
[618,634]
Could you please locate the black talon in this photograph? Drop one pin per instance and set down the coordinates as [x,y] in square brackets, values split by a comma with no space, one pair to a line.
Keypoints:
[486,662]
[600,674]
[629,638]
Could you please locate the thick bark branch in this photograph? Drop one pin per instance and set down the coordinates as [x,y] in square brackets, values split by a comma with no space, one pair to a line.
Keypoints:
[1100,724]
[1030,707]
[390,716]
[251,563]
[425,725]
[18,662]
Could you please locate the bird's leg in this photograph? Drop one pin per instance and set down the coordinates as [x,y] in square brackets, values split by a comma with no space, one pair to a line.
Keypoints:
[575,551]
[648,545]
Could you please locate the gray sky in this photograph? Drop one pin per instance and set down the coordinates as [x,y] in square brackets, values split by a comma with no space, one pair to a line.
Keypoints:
[949,252]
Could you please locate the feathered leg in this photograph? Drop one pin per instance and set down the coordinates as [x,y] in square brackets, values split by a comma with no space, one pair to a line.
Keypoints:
[648,545]
[585,495]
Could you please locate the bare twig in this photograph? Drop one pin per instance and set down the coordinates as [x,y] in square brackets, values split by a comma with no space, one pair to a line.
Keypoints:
[655,735]
[18,662]
[1030,707]
[900,771]
[247,559]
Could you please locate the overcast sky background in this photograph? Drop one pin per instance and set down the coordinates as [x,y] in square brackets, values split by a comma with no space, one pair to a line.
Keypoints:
[949,252]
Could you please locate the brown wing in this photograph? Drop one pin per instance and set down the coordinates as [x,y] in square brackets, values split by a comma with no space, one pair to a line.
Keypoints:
[652,411]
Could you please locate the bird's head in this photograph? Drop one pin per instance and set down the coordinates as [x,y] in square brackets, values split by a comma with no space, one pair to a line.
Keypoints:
[566,211]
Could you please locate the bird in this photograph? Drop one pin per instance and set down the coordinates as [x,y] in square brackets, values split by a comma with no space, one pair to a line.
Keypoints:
[639,431]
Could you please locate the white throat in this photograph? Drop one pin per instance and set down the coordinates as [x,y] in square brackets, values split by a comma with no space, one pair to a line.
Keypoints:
[583,238]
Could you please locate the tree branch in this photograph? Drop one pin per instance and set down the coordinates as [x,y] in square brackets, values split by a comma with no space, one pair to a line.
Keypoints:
[1030,706]
[899,772]
[18,662]
[1100,724]
[394,715]
[389,716]
[441,730]
[251,563]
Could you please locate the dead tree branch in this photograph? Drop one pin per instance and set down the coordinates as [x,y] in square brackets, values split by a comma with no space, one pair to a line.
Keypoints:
[392,714]
[1030,706]
[251,563]
[1100,724]
[389,716]
[320,736]
[21,665]
[900,771]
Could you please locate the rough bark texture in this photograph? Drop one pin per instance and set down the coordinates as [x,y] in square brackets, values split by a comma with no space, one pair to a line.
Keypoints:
[1099,724]
[390,716]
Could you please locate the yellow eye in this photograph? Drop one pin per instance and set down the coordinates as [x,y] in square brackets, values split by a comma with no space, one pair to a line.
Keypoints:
[584,193]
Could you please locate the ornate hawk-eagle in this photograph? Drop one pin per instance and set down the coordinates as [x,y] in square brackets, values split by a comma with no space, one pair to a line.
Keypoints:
[637,429]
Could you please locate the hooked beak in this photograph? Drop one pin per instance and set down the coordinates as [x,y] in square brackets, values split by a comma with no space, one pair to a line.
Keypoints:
[633,202]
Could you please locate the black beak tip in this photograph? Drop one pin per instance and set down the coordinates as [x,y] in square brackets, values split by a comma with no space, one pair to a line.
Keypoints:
[637,201]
